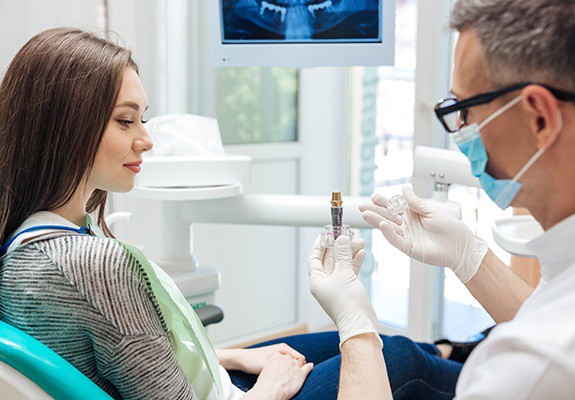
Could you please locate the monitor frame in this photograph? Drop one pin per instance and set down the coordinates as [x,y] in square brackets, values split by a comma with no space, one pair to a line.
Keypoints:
[302,55]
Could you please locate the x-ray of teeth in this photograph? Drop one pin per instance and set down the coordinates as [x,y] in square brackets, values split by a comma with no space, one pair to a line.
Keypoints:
[301,20]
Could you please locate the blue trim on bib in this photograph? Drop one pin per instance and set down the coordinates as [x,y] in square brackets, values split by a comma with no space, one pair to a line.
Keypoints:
[4,249]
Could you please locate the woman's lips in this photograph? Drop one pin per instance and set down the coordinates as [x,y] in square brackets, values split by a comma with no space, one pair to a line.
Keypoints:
[135,168]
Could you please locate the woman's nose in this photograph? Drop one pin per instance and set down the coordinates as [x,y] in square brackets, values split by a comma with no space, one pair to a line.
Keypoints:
[143,142]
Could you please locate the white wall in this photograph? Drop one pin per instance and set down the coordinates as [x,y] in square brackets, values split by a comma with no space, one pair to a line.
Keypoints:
[264,269]
[22,19]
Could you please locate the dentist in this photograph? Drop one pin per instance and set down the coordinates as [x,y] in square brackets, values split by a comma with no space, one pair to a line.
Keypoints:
[513,116]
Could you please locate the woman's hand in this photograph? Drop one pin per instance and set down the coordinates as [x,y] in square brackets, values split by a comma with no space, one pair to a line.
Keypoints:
[280,379]
[253,361]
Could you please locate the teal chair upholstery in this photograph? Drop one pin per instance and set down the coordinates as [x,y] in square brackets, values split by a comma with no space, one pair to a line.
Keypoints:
[56,376]
[46,370]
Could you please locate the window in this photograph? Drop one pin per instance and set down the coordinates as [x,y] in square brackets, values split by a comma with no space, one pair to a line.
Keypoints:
[394,89]
[257,105]
[252,105]
[457,313]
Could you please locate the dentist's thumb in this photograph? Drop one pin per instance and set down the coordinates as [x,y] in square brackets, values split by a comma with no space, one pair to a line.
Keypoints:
[414,203]
[343,253]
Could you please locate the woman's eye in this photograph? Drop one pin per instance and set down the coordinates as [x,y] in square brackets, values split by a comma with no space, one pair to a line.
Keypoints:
[125,122]
[144,121]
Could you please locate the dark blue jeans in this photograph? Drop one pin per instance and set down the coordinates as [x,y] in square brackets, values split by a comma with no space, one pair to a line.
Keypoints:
[415,370]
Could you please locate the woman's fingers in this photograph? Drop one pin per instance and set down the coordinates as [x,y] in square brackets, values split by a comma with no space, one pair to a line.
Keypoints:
[283,348]
[306,369]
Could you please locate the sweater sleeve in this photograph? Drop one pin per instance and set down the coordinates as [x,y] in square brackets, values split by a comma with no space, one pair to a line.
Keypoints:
[145,367]
[132,349]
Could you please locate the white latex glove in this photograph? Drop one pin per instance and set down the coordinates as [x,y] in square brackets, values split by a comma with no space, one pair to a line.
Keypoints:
[338,290]
[429,234]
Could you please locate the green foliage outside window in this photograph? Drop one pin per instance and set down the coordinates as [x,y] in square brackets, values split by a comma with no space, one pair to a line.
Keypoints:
[257,105]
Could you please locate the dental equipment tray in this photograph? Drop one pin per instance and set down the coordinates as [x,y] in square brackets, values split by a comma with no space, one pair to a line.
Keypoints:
[513,234]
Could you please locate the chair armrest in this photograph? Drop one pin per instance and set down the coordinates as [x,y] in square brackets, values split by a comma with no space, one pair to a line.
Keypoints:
[210,314]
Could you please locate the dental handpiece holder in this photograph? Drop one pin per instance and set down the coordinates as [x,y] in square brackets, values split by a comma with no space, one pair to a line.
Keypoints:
[443,167]
[205,179]
[446,167]
[210,190]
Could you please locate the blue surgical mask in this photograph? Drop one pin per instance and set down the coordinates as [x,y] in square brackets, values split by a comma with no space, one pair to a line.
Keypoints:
[468,139]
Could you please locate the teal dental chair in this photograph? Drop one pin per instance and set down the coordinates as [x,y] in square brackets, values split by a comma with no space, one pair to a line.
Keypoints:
[29,370]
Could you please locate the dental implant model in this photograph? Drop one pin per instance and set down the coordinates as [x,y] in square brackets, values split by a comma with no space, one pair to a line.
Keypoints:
[332,232]
[336,210]
[397,205]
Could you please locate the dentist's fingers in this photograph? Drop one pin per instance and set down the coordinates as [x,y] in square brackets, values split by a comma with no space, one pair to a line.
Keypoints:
[315,261]
[342,252]
[392,237]
[329,255]
[379,199]
[329,260]
[317,250]
[357,260]
[375,220]
[415,203]
[356,246]
[363,206]
[372,218]
[382,212]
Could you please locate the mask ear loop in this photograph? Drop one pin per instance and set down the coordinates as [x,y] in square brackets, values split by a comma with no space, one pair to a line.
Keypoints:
[534,158]
[560,115]
[500,111]
[538,154]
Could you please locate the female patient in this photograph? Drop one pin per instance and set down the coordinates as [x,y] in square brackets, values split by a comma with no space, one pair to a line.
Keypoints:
[71,129]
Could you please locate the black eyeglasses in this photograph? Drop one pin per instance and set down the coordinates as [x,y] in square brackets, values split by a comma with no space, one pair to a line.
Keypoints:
[452,113]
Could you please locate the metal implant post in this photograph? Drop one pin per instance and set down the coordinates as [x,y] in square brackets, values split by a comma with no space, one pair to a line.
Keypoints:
[336,213]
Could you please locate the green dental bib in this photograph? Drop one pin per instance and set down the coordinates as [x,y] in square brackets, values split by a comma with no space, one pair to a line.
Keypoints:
[188,336]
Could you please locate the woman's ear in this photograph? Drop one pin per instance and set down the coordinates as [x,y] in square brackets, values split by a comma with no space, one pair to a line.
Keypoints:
[545,118]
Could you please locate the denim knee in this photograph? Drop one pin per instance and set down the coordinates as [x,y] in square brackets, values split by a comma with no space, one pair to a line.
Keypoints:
[415,373]
[405,361]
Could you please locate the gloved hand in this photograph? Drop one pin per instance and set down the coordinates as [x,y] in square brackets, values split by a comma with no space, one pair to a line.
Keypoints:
[338,290]
[429,234]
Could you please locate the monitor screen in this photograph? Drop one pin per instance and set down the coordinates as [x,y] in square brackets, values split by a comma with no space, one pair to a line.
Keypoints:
[302,33]
[300,21]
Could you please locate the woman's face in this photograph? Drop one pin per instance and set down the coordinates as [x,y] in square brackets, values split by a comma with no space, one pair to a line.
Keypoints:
[119,156]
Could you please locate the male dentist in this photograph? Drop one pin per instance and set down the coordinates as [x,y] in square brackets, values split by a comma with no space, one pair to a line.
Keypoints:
[513,115]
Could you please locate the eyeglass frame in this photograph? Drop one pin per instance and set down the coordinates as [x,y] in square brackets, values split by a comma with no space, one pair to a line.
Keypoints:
[488,97]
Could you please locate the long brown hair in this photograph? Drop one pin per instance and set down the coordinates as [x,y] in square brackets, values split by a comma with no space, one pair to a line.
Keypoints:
[56,100]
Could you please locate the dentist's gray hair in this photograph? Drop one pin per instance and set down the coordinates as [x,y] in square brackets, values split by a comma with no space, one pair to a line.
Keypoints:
[524,40]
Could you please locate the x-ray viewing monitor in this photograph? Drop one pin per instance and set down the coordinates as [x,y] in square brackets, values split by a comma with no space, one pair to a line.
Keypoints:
[302,33]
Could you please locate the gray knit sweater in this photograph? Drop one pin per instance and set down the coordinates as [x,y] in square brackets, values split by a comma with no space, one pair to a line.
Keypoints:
[87,299]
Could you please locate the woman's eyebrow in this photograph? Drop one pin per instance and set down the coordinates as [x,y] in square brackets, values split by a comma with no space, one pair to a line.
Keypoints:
[131,104]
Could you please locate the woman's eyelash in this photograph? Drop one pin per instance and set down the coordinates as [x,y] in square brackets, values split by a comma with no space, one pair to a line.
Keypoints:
[126,122]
